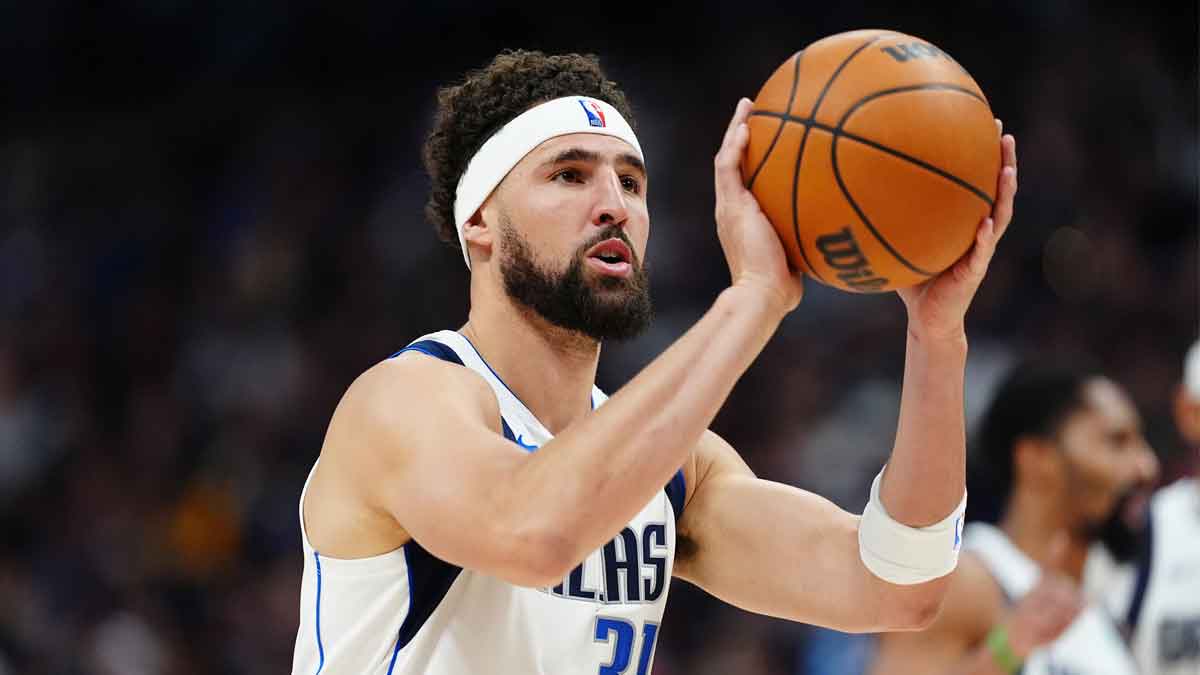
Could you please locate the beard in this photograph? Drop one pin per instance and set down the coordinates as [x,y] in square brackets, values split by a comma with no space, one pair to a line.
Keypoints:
[1123,539]
[602,308]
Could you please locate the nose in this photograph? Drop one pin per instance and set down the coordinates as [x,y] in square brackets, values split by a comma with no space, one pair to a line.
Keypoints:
[1147,465]
[609,206]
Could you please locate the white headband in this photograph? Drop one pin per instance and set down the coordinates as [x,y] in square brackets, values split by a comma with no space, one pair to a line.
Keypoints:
[509,145]
[1191,371]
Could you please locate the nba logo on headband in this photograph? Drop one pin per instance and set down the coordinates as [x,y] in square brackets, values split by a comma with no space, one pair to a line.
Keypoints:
[594,113]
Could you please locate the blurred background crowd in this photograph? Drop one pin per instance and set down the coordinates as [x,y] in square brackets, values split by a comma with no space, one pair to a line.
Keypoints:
[210,223]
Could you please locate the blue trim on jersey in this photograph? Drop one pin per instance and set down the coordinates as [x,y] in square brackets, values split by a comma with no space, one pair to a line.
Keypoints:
[515,437]
[1145,561]
[500,379]
[431,348]
[320,647]
[676,492]
[429,579]
[396,651]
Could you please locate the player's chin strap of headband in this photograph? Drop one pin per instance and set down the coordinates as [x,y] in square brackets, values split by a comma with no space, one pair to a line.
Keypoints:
[905,555]
[509,145]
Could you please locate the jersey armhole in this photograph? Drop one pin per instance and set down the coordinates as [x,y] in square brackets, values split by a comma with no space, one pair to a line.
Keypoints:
[676,492]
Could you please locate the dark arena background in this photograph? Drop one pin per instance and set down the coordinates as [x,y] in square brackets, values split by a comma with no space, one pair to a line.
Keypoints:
[211,222]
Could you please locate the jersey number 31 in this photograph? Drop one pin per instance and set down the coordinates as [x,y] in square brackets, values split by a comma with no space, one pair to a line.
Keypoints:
[606,628]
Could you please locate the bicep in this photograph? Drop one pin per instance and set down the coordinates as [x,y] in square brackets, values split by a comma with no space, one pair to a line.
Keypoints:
[423,448]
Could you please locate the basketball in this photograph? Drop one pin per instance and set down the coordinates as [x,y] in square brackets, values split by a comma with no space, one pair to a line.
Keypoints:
[875,156]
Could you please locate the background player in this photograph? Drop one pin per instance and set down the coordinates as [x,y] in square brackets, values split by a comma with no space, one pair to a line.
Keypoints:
[1065,449]
[1158,598]
[436,542]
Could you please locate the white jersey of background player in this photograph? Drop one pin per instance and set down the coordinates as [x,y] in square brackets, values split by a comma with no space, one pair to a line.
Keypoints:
[493,517]
[1091,644]
[1158,598]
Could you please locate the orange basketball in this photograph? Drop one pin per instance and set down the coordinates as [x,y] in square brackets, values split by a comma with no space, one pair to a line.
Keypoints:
[875,156]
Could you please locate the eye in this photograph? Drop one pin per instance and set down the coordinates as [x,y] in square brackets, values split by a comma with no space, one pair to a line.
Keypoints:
[568,176]
[1120,440]
[632,184]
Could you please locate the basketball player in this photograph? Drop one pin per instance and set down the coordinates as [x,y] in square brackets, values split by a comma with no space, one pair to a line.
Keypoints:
[479,506]
[1159,597]
[1066,448]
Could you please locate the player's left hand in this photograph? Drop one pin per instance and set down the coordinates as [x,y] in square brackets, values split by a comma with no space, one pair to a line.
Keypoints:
[937,307]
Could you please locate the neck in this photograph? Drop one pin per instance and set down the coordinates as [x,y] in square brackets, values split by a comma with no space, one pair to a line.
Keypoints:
[549,368]
[1032,522]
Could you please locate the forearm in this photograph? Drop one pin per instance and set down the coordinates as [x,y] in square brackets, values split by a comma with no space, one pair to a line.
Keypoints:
[596,475]
[925,477]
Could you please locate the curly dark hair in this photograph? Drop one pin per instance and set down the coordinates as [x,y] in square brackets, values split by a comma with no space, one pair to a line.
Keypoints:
[469,113]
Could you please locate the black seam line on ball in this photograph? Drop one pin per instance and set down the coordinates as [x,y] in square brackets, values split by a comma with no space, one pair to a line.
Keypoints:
[929,86]
[804,142]
[836,132]
[837,174]
[782,123]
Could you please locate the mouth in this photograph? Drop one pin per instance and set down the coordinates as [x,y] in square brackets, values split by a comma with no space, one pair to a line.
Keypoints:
[611,257]
[1133,511]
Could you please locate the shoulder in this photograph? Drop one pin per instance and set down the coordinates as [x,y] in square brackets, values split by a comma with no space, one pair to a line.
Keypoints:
[400,413]
[712,457]
[399,404]
[393,388]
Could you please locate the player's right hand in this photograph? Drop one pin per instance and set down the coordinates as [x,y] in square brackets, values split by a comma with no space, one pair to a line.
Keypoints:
[1046,611]
[752,248]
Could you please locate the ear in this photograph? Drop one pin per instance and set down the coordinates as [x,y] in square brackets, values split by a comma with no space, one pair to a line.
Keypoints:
[479,235]
[1187,416]
[1036,462]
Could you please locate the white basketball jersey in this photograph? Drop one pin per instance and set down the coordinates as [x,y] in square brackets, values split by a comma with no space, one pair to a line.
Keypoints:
[1164,606]
[1091,645]
[407,612]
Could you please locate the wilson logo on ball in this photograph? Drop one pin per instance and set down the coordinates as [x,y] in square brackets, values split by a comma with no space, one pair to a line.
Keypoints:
[841,252]
[914,50]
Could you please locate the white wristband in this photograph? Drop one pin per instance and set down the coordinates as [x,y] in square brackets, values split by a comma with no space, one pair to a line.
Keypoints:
[905,555]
